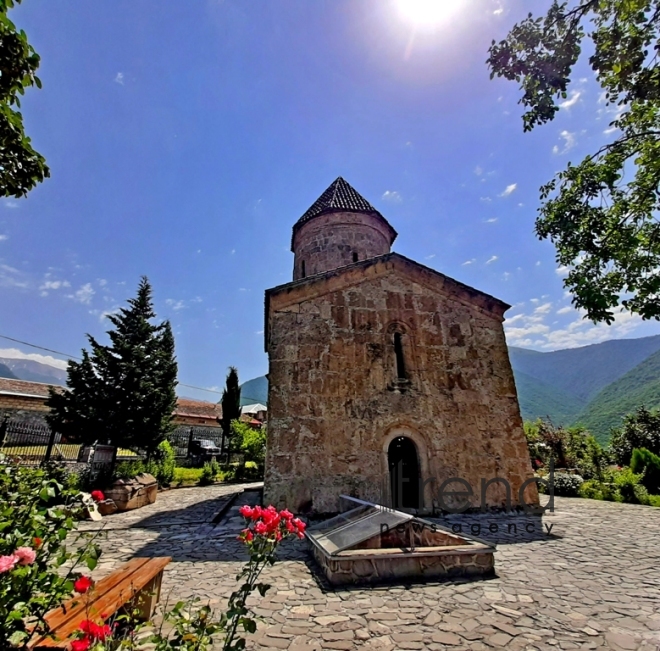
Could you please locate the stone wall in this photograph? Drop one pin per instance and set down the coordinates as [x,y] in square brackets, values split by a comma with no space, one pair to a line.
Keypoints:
[329,241]
[23,408]
[335,402]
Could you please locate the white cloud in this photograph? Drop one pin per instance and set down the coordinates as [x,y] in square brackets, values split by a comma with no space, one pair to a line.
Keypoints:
[10,277]
[498,11]
[478,171]
[84,295]
[4,237]
[492,220]
[392,196]
[532,329]
[175,305]
[510,189]
[119,79]
[102,282]
[538,263]
[430,257]
[14,353]
[54,284]
[492,259]
[571,101]
[106,313]
[543,309]
[562,271]
[469,262]
[569,142]
[11,204]
[485,199]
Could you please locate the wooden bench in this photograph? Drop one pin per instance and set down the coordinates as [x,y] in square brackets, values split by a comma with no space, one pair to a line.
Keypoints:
[136,583]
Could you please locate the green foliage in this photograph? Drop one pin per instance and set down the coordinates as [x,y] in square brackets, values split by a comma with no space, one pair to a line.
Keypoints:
[567,485]
[128,469]
[250,441]
[21,167]
[640,386]
[122,393]
[189,476]
[210,472]
[165,463]
[36,503]
[619,485]
[639,430]
[572,447]
[600,213]
[593,489]
[648,464]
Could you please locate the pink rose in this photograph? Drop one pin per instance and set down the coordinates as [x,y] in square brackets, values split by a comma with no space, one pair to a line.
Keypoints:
[7,563]
[25,555]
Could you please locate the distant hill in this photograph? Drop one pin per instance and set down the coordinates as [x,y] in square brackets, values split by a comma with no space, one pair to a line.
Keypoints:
[5,372]
[540,400]
[640,386]
[584,372]
[254,391]
[27,369]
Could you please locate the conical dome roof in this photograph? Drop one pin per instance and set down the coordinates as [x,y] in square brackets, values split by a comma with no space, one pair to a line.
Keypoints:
[340,196]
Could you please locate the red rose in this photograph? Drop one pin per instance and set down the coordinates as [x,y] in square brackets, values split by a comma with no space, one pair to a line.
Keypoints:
[98,496]
[82,585]
[285,514]
[245,511]
[81,645]
[37,541]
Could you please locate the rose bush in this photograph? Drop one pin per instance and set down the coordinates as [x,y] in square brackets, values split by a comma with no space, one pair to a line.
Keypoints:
[37,512]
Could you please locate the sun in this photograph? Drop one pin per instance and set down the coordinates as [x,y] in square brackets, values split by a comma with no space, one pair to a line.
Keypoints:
[428,13]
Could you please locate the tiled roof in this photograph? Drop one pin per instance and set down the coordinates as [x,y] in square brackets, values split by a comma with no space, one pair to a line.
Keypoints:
[197,409]
[339,196]
[25,388]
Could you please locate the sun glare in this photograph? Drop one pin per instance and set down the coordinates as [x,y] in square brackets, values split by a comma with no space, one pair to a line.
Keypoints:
[428,13]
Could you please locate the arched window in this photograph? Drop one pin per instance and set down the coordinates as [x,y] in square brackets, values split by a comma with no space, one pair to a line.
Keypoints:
[398,354]
[355,256]
[302,269]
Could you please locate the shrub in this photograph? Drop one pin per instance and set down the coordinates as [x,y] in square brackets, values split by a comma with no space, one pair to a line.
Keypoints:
[127,470]
[567,485]
[648,464]
[165,463]
[252,442]
[627,486]
[572,447]
[209,473]
[37,512]
[593,489]
[639,430]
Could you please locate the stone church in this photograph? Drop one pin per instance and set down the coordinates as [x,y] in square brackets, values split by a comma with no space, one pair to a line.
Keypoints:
[386,378]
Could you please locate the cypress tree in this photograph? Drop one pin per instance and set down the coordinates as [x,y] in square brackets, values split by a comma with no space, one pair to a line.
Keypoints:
[122,394]
[231,405]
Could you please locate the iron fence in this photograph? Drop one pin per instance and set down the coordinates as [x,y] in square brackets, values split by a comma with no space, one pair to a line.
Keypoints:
[34,442]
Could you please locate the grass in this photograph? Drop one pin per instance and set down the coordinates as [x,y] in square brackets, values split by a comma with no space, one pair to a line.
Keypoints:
[68,451]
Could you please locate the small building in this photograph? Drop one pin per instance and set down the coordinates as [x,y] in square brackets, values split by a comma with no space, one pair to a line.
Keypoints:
[256,412]
[197,413]
[24,401]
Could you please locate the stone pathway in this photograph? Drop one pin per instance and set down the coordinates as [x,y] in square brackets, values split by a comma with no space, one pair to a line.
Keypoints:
[592,583]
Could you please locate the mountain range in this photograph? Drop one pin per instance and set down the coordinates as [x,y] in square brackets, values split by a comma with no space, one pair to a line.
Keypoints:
[594,386]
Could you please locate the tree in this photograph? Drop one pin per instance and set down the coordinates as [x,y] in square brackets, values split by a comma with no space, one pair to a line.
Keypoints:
[600,214]
[640,429]
[124,393]
[231,405]
[21,167]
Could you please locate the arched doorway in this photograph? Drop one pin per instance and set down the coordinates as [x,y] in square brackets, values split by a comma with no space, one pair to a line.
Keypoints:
[404,473]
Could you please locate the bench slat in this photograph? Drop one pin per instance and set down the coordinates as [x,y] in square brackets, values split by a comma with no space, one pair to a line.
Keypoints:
[109,595]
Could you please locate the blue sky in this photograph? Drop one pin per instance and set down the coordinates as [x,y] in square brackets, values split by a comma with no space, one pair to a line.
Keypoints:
[186,138]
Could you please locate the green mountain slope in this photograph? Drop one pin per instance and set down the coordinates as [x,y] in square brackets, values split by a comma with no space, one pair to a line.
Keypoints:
[640,386]
[539,400]
[584,372]
[254,391]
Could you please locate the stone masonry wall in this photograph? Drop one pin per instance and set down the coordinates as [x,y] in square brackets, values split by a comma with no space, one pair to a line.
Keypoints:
[329,241]
[335,402]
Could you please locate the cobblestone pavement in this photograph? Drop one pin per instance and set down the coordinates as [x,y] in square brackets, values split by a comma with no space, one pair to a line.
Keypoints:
[593,582]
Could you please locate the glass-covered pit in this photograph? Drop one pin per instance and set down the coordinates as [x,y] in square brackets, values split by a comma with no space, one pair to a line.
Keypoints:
[371,543]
